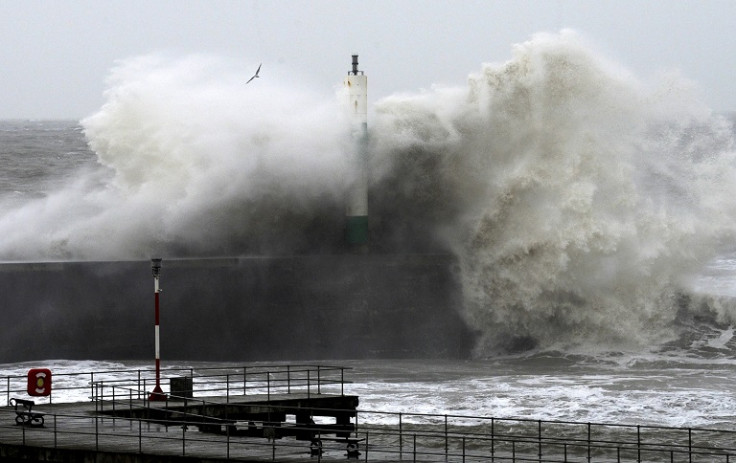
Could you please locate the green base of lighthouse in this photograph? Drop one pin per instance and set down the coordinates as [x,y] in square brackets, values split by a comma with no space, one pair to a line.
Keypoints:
[357,230]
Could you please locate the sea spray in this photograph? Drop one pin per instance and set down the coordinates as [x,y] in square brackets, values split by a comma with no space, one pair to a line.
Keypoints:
[196,164]
[581,201]
[233,165]
[578,199]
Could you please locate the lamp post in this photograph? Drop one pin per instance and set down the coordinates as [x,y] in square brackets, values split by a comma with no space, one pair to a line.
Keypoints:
[157,393]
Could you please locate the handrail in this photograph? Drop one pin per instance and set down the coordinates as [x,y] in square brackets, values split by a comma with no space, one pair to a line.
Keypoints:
[74,387]
[454,442]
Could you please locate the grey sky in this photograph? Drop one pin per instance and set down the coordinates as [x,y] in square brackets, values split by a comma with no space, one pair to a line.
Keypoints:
[57,54]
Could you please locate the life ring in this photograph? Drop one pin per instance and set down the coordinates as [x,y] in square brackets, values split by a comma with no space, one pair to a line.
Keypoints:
[39,382]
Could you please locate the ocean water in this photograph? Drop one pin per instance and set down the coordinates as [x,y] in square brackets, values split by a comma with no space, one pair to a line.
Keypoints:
[656,389]
[591,212]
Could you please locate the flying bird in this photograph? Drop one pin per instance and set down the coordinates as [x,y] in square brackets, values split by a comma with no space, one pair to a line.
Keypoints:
[256,74]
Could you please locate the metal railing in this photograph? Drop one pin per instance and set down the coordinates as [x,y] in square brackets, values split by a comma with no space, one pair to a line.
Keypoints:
[218,381]
[381,435]
[414,437]
[386,436]
[81,432]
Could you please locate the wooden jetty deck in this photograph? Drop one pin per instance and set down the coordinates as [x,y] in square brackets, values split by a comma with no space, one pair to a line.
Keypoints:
[202,429]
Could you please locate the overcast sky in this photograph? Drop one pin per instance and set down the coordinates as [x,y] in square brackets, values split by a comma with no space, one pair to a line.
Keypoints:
[56,55]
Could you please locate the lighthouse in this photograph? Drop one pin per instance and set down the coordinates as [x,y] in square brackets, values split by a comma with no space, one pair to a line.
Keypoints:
[356,86]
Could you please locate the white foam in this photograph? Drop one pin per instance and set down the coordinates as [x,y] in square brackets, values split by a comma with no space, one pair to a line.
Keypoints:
[589,197]
[184,147]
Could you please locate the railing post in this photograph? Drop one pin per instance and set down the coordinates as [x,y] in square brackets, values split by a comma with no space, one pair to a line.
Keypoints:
[92,385]
[463,449]
[288,379]
[493,440]
[227,387]
[540,440]
[55,442]
[319,380]
[446,438]
[401,438]
[100,396]
[309,383]
[415,447]
[268,385]
[140,435]
[638,443]
[690,444]
[588,442]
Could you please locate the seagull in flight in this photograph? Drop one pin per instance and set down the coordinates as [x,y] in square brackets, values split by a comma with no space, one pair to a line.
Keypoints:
[256,74]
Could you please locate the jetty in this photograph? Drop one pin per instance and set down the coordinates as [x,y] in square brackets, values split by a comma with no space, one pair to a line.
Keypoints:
[216,414]
[299,413]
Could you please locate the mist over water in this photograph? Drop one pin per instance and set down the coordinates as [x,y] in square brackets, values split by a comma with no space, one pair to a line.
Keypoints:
[579,200]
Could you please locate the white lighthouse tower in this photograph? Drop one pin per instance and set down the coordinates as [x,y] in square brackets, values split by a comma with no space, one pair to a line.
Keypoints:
[356,84]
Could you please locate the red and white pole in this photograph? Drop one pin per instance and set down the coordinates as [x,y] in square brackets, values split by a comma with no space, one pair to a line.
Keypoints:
[157,393]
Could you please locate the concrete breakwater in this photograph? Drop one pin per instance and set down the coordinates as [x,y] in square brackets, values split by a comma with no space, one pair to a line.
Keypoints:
[240,308]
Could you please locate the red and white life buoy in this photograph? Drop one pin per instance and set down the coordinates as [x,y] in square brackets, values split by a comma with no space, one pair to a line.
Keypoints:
[39,382]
